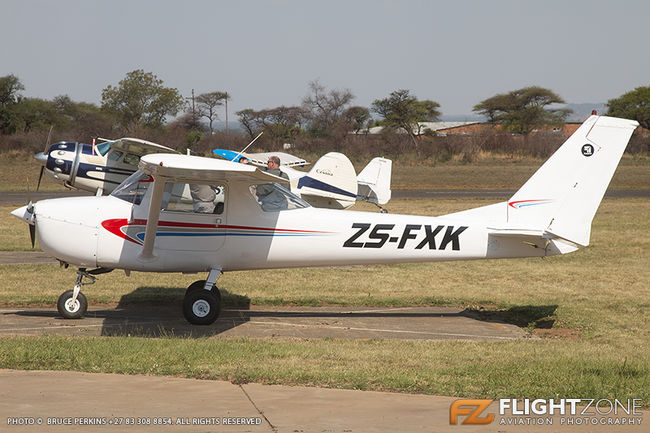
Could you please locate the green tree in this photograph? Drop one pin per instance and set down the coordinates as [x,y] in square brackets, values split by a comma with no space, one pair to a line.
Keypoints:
[279,124]
[140,99]
[35,113]
[634,105]
[357,117]
[10,87]
[83,116]
[404,111]
[523,110]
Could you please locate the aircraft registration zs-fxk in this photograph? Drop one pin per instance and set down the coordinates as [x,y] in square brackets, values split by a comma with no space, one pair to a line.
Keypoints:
[149,223]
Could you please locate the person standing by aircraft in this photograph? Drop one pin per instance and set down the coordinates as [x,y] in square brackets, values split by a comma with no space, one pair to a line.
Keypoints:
[203,197]
[269,197]
[273,167]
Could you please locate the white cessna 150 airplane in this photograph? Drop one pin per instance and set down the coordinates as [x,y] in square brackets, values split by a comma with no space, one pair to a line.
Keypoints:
[149,223]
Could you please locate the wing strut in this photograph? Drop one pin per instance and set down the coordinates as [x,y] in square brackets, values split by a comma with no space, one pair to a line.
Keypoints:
[152,219]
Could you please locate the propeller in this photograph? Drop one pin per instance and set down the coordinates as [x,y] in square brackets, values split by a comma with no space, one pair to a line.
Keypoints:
[30,209]
[44,161]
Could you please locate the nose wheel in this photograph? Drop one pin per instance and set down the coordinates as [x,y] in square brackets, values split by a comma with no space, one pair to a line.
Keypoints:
[72,304]
[71,307]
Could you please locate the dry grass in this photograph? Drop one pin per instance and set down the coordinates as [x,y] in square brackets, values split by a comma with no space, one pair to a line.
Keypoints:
[488,173]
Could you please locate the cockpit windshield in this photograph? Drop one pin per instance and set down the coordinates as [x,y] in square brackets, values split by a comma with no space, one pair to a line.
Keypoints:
[133,188]
[104,147]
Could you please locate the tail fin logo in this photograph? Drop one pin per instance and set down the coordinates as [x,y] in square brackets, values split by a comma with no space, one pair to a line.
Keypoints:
[526,203]
[587,150]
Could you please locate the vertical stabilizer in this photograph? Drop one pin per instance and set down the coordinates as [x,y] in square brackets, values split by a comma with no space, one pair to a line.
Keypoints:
[563,195]
[374,181]
[332,182]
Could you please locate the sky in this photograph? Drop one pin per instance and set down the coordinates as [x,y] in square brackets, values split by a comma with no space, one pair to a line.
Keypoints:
[264,53]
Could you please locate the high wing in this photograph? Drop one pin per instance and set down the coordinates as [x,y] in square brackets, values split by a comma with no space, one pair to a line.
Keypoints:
[259,159]
[201,170]
[138,147]
[192,169]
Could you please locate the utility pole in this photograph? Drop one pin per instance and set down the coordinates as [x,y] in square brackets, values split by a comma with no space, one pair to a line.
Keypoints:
[193,113]
[227,96]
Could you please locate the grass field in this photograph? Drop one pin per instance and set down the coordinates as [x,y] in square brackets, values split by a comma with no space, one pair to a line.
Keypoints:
[491,173]
[591,309]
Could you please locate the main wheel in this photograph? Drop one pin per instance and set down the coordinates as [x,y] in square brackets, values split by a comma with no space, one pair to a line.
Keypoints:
[199,285]
[201,307]
[70,310]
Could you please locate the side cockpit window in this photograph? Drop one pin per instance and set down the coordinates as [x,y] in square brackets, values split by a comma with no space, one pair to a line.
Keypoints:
[131,159]
[273,197]
[115,155]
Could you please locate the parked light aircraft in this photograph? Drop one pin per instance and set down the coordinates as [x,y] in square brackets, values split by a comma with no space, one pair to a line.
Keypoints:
[149,224]
[331,182]
[98,169]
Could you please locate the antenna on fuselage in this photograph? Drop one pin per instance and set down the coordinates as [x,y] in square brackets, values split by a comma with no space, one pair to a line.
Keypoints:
[249,145]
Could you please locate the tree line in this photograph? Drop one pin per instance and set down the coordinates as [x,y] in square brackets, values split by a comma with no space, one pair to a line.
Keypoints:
[141,105]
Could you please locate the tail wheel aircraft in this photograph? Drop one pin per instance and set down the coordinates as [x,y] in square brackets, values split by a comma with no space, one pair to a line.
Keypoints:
[96,168]
[331,182]
[153,223]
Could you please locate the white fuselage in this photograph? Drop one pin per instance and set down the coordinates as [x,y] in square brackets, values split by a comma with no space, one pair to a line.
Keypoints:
[108,232]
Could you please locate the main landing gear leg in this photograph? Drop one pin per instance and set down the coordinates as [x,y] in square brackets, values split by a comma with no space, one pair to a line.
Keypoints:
[72,304]
[202,302]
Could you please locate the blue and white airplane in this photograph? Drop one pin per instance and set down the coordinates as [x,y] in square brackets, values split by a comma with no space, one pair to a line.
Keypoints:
[96,168]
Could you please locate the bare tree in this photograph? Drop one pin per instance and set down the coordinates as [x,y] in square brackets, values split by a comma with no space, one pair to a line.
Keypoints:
[208,104]
[247,119]
[326,109]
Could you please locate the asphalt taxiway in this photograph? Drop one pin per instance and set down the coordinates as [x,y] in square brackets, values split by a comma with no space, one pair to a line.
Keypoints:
[422,323]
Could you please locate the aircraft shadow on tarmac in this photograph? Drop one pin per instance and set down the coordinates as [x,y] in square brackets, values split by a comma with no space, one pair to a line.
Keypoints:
[525,316]
[137,314]
[157,312]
